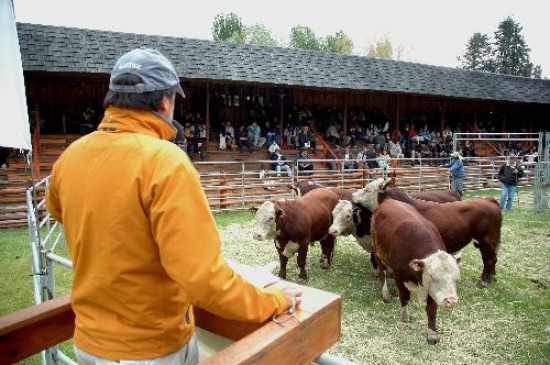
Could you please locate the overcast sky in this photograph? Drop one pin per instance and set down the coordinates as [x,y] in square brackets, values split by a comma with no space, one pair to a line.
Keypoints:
[431,32]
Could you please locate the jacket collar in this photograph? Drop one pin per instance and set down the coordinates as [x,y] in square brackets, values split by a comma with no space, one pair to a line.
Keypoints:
[137,121]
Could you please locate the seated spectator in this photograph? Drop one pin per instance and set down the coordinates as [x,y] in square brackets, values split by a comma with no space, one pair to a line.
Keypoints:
[332,163]
[348,160]
[305,165]
[469,150]
[379,141]
[395,150]
[369,157]
[291,135]
[255,135]
[383,160]
[333,135]
[180,139]
[271,133]
[272,148]
[281,163]
[242,139]
[306,139]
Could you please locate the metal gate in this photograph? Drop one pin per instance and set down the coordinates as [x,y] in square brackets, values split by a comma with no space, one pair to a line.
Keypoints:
[45,236]
[542,167]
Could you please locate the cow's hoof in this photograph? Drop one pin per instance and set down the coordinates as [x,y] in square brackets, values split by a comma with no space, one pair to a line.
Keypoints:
[432,337]
[492,279]
[282,275]
[322,259]
[302,280]
[481,284]
[386,297]
[325,265]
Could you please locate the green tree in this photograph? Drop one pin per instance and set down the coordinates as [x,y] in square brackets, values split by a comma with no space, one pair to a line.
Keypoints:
[537,72]
[339,43]
[381,49]
[478,53]
[259,35]
[228,28]
[511,53]
[303,37]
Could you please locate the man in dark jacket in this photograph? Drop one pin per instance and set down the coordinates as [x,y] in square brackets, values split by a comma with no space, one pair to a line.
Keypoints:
[508,175]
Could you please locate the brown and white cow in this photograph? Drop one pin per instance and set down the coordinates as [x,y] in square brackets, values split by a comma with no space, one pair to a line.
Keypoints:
[458,222]
[412,247]
[294,224]
[350,218]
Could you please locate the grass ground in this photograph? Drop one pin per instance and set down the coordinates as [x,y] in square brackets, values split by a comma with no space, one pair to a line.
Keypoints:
[506,323]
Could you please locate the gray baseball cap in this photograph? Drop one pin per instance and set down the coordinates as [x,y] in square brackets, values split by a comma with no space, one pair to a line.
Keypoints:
[156,71]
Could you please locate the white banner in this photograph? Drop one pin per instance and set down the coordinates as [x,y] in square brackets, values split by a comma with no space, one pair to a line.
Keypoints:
[14,119]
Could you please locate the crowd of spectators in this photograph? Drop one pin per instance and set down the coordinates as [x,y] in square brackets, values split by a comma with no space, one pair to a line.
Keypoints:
[370,139]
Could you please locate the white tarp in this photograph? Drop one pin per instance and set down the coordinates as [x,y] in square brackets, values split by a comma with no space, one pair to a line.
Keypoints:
[14,120]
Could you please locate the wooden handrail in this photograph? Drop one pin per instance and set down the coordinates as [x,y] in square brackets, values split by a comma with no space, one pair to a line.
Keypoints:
[314,329]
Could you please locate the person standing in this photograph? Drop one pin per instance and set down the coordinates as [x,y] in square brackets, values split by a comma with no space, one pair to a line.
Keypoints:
[144,243]
[456,169]
[508,175]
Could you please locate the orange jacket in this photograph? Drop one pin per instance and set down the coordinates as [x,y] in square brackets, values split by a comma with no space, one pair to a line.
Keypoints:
[143,241]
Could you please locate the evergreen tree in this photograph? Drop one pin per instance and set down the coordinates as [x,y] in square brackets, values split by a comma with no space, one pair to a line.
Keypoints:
[478,53]
[511,53]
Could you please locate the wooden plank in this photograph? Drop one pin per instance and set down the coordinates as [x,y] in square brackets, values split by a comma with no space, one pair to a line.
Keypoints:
[301,339]
[27,332]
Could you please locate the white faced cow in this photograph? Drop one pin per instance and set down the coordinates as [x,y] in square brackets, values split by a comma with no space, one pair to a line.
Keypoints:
[294,224]
[412,247]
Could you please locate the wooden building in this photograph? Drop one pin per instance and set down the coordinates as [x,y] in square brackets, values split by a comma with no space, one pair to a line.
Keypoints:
[67,70]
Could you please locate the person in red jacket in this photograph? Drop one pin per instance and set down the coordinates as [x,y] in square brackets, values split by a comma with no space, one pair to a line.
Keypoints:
[143,241]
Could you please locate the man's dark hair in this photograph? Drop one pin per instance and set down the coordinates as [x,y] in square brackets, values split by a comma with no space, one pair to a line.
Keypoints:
[147,100]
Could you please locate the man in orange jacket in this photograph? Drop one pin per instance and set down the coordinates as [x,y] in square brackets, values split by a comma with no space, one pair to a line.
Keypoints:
[144,244]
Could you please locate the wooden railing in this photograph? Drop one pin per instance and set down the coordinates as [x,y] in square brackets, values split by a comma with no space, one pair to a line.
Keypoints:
[302,339]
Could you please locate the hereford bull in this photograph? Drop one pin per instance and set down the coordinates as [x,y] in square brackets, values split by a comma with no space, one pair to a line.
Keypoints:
[350,218]
[458,222]
[412,247]
[294,224]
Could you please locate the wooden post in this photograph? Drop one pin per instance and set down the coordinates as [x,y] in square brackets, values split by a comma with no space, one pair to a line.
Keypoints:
[207,116]
[345,134]
[36,143]
[281,114]
[397,117]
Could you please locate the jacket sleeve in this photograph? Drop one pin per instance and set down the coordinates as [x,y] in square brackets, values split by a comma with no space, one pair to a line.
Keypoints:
[521,172]
[52,196]
[190,247]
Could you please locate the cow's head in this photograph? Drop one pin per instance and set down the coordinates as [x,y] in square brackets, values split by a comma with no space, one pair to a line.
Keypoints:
[296,192]
[440,274]
[368,196]
[266,215]
[344,219]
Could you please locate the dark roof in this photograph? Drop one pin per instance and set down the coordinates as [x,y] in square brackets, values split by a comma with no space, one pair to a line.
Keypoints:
[61,49]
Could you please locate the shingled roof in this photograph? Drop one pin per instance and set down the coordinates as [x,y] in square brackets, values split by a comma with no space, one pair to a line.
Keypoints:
[62,49]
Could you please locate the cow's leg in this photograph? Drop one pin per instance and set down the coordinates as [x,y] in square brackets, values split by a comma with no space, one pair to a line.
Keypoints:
[302,256]
[489,257]
[404,298]
[431,311]
[382,271]
[283,260]
[327,246]
[374,264]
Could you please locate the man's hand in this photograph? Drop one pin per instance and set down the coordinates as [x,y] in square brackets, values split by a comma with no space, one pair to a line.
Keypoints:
[293,295]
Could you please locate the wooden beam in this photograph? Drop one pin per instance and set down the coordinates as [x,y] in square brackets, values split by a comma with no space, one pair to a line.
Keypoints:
[207,116]
[315,327]
[36,144]
[31,330]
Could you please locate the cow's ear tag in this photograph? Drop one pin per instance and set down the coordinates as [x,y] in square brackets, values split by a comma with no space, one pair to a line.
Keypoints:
[416,264]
